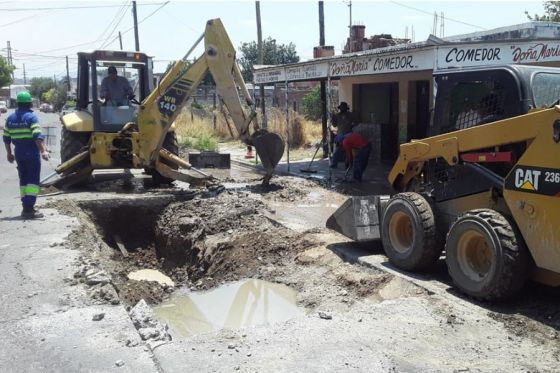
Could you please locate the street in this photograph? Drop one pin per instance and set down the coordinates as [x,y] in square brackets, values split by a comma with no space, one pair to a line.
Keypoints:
[60,311]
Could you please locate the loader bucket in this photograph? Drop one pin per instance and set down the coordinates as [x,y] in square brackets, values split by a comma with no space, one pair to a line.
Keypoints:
[270,148]
[359,218]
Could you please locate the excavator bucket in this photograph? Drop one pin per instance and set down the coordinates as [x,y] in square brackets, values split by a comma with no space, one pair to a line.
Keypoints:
[270,148]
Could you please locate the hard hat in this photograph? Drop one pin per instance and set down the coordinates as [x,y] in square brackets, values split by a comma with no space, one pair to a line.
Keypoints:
[24,97]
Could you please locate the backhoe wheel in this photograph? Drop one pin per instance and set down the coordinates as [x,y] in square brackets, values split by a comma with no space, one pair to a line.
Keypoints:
[72,143]
[169,143]
[486,256]
[409,233]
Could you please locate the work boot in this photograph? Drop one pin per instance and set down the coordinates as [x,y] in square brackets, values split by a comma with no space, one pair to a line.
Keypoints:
[31,213]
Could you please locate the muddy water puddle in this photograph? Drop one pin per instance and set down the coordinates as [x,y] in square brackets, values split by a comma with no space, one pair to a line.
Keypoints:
[230,306]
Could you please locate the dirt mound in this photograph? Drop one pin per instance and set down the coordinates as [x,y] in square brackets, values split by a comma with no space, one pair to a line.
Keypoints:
[222,239]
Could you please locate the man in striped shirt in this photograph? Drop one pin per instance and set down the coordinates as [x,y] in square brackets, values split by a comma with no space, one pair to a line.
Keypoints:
[23,131]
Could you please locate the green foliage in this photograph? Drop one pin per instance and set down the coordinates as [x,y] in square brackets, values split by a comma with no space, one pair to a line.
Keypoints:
[5,72]
[70,104]
[311,104]
[203,143]
[552,12]
[273,54]
[55,96]
[39,86]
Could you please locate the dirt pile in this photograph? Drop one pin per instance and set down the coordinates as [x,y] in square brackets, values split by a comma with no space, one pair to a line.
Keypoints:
[224,238]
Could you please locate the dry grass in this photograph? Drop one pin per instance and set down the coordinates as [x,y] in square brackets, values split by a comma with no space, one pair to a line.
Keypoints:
[197,124]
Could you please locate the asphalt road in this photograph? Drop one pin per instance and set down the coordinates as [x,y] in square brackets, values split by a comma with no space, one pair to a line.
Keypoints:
[45,323]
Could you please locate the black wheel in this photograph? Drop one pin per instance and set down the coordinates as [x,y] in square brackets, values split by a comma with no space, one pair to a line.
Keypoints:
[169,143]
[486,255]
[409,233]
[72,143]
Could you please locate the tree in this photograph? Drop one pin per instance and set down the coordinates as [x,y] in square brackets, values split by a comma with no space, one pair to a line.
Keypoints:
[55,96]
[273,54]
[41,85]
[311,104]
[552,10]
[5,72]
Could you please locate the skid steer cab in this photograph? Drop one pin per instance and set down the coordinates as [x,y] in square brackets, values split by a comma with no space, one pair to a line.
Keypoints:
[483,190]
[124,121]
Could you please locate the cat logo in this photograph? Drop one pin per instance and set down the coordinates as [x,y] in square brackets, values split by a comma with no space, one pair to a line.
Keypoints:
[527,179]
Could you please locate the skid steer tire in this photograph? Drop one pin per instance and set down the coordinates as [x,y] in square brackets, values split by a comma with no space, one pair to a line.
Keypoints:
[486,255]
[169,143]
[72,143]
[408,232]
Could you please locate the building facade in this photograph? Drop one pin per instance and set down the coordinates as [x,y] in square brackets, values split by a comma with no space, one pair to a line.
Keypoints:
[391,89]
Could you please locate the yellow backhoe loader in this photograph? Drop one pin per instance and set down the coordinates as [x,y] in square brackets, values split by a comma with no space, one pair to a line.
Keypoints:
[484,188]
[139,134]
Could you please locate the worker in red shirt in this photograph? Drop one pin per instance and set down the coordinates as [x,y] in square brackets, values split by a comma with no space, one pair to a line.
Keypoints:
[357,149]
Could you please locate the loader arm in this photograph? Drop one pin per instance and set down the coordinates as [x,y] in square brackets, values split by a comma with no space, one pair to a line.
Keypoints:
[449,145]
[160,109]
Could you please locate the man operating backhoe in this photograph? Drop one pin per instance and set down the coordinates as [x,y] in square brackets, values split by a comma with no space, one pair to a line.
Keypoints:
[115,90]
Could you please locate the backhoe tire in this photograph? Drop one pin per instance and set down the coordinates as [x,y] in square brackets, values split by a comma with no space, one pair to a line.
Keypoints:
[409,234]
[169,143]
[486,255]
[72,143]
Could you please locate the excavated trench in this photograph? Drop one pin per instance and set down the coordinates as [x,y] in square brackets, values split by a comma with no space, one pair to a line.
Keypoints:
[229,247]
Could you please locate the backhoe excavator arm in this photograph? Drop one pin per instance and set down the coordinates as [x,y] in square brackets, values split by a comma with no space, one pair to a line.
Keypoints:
[160,109]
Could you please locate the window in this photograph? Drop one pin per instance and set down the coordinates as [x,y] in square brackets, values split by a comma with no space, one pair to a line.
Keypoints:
[546,89]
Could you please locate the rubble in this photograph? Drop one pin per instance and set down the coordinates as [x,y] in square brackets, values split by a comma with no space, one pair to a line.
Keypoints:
[147,325]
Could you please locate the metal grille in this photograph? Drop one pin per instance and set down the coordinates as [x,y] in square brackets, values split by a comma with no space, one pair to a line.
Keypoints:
[488,109]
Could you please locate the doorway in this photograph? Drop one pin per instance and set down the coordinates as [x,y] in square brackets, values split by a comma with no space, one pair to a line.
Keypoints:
[378,104]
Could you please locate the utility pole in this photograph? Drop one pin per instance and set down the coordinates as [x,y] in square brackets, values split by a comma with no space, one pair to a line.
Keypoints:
[120,40]
[441,26]
[136,41]
[54,79]
[323,85]
[9,56]
[260,62]
[69,88]
[24,76]
[350,24]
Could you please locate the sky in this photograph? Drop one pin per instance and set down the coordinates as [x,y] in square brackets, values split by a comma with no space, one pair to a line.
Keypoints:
[42,33]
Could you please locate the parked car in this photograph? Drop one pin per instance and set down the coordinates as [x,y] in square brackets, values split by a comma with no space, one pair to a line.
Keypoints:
[66,109]
[3,107]
[46,108]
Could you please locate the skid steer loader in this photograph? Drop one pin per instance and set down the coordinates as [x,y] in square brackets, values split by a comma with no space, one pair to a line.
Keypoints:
[140,135]
[484,188]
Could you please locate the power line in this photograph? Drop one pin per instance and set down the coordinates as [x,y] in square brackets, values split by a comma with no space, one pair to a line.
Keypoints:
[124,9]
[431,14]
[71,7]
[148,16]
[115,17]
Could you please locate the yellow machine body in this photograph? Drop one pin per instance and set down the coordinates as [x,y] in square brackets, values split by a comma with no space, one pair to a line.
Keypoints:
[531,190]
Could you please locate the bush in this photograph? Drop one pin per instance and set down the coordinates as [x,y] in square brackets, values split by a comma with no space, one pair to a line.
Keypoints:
[311,104]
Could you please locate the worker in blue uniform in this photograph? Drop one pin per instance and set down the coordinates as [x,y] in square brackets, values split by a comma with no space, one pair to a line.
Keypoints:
[23,131]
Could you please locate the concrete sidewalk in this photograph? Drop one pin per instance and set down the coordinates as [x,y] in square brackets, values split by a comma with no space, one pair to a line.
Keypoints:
[374,178]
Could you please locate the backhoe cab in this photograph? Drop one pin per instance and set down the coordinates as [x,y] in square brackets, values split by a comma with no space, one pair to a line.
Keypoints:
[138,133]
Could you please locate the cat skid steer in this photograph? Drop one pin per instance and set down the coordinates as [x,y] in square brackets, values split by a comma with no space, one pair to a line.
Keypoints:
[484,193]
[140,134]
